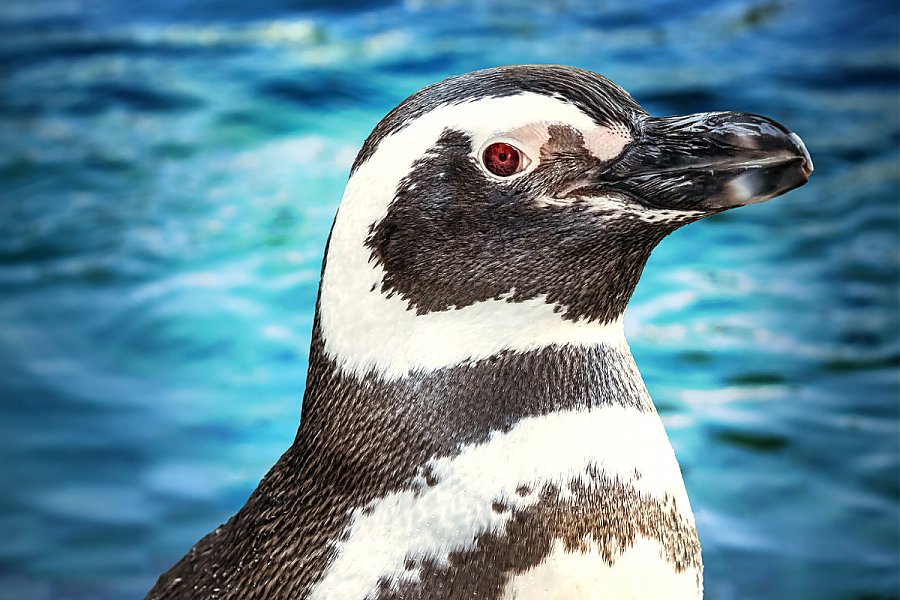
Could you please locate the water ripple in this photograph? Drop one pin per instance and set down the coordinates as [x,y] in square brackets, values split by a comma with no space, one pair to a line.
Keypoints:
[169,179]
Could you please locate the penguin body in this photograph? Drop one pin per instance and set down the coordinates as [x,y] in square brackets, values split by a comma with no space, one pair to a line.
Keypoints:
[474,425]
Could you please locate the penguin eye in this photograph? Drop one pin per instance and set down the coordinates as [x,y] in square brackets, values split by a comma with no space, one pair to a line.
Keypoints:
[504,159]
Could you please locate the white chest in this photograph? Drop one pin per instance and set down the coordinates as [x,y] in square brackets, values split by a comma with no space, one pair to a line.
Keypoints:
[550,481]
[639,573]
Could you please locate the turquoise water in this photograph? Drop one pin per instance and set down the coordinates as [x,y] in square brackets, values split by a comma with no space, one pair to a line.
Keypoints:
[167,181]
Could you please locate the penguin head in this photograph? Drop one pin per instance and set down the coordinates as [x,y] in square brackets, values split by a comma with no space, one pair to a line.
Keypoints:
[512,208]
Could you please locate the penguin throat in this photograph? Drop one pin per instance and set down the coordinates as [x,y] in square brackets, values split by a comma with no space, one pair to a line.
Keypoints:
[466,402]
[377,335]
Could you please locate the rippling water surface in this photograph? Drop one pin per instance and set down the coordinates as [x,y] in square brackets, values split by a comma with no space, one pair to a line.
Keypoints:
[168,176]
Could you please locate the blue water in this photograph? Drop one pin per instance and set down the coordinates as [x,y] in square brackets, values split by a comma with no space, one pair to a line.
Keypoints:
[168,175]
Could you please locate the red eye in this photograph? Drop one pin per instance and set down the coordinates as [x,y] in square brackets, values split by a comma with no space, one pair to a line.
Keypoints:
[502,159]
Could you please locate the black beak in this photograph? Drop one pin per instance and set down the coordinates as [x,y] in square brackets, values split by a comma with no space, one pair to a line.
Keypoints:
[709,162]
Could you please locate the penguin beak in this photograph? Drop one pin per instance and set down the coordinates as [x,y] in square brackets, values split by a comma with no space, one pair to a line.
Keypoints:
[709,162]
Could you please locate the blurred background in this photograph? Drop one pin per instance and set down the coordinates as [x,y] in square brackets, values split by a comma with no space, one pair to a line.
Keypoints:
[168,175]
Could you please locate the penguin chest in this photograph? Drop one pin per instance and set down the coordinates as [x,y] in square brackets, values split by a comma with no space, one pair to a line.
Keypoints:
[638,572]
[583,502]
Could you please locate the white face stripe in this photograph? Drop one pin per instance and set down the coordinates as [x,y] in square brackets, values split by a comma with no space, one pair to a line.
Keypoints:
[606,143]
[365,330]
[640,573]
[618,206]
[375,332]
[554,448]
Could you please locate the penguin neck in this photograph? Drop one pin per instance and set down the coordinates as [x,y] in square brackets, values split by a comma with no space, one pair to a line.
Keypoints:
[466,402]
[467,453]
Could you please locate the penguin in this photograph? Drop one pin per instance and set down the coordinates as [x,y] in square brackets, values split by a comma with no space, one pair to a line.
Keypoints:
[474,424]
